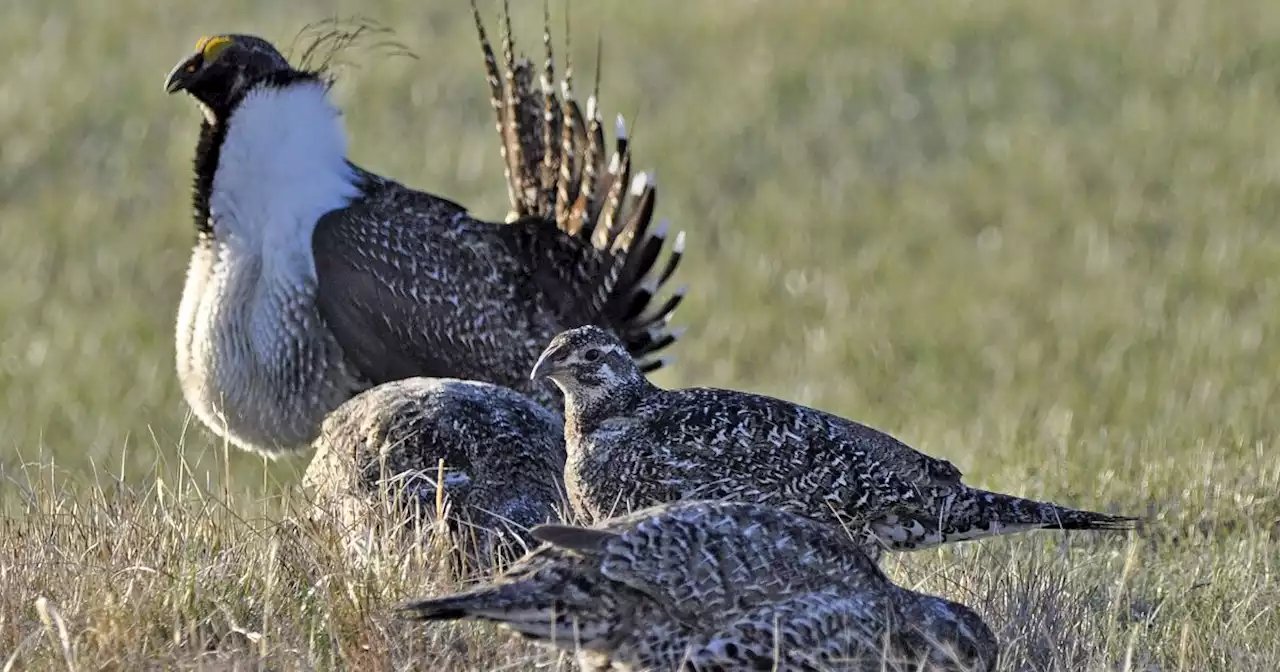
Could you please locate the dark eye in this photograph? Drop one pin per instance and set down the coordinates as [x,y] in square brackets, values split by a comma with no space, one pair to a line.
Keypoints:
[591,355]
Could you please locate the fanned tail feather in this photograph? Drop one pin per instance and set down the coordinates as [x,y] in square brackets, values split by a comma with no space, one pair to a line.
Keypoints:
[593,156]
[970,514]
[498,101]
[555,166]
[550,119]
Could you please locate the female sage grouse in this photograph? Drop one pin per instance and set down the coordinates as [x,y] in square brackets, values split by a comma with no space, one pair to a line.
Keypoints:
[720,586]
[313,278]
[630,444]
[377,467]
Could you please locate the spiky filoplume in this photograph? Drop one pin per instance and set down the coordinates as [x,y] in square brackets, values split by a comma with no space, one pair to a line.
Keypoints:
[720,586]
[631,444]
[377,467]
[313,279]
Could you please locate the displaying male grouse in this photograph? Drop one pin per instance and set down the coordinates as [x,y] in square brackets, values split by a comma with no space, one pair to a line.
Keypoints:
[719,586]
[313,278]
[630,445]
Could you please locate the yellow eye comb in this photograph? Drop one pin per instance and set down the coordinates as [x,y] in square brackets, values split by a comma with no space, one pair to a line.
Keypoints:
[210,47]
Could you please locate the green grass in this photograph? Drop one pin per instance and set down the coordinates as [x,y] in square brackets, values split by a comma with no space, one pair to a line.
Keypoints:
[1036,239]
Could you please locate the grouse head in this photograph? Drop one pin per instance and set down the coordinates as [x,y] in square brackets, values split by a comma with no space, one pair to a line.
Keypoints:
[586,360]
[220,69]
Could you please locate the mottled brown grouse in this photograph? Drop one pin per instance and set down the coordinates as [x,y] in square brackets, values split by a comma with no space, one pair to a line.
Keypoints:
[631,444]
[313,279]
[720,586]
[376,471]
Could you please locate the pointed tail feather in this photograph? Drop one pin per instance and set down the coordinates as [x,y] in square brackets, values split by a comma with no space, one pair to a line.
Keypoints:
[607,211]
[573,137]
[644,189]
[555,166]
[513,102]
[529,585]
[540,608]
[550,119]
[497,100]
[974,514]
[451,608]
[593,156]
[499,604]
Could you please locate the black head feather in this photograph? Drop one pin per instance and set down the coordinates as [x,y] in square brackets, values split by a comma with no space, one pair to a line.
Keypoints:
[221,72]
[222,68]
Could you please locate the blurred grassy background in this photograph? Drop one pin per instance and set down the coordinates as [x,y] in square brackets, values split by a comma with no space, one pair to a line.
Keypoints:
[1037,239]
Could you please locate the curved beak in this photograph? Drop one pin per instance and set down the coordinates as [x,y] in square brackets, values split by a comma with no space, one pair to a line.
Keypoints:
[545,366]
[181,74]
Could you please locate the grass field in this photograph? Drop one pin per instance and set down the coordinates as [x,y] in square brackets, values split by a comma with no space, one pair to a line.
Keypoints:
[1039,240]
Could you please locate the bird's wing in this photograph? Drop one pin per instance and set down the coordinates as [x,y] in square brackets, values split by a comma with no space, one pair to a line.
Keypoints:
[410,285]
[782,451]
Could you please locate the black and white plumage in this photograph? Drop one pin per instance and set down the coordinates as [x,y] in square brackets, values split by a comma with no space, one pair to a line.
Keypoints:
[631,444]
[313,279]
[377,465]
[719,586]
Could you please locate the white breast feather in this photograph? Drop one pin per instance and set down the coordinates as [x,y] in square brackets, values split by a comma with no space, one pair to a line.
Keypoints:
[252,352]
[282,166]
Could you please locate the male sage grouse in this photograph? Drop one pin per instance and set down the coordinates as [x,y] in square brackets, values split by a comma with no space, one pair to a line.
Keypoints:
[377,467]
[719,586]
[631,444]
[313,278]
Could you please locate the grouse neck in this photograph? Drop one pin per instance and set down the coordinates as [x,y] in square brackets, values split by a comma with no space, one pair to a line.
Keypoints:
[272,162]
[587,409]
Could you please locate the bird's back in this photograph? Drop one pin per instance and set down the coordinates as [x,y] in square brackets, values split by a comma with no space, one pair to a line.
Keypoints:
[720,585]
[502,455]
[707,443]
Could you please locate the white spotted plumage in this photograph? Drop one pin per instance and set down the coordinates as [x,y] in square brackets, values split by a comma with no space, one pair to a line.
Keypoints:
[631,444]
[720,586]
[248,304]
[503,456]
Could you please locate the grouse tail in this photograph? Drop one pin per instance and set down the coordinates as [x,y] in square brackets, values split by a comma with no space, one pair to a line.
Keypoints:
[539,600]
[529,614]
[968,513]
[558,168]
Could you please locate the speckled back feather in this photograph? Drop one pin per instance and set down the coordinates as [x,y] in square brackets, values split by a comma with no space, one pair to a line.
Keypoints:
[720,585]
[376,464]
